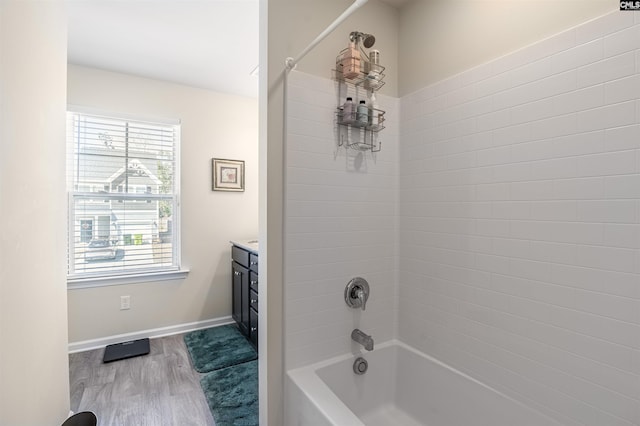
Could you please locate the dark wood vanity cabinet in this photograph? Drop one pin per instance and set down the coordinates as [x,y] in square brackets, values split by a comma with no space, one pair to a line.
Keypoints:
[244,281]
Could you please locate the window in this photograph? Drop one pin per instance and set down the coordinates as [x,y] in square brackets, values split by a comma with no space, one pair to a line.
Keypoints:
[123,197]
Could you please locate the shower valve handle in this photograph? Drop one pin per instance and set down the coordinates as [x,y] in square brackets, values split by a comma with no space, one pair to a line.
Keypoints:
[361,297]
[356,293]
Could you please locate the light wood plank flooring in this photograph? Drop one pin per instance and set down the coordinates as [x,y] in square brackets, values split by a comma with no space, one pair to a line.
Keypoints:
[159,389]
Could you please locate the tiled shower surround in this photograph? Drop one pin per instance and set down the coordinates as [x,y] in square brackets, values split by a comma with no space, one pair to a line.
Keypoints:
[341,222]
[504,236]
[520,223]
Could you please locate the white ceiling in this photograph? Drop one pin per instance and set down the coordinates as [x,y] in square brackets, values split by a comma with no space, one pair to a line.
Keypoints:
[212,44]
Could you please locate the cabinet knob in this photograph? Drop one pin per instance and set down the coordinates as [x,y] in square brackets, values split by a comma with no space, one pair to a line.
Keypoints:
[254,301]
[254,282]
[253,263]
[254,329]
[236,273]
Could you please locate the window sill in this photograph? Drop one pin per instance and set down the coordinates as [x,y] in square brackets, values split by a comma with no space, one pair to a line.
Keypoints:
[90,282]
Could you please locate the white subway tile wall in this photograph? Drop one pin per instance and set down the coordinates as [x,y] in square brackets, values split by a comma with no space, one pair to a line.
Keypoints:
[340,223]
[519,246]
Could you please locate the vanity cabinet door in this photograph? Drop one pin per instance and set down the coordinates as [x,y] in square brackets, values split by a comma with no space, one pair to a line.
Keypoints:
[240,296]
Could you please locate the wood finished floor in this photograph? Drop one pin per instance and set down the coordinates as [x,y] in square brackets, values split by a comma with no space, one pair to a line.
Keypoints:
[159,389]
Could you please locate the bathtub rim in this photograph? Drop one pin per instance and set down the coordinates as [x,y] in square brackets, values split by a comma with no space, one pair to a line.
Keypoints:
[320,395]
[318,392]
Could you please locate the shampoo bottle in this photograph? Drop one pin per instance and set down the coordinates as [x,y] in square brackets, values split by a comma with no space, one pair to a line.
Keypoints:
[347,111]
[363,113]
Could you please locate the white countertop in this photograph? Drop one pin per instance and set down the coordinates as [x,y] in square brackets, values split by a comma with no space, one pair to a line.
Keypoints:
[249,245]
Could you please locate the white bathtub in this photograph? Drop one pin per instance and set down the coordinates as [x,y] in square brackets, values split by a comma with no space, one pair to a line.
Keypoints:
[403,387]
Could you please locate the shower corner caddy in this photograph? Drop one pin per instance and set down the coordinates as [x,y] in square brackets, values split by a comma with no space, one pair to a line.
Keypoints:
[359,135]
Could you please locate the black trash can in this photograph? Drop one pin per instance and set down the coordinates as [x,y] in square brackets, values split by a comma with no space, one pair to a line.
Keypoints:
[85,418]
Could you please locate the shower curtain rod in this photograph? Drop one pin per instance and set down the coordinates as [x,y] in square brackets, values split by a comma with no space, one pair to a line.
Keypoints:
[290,62]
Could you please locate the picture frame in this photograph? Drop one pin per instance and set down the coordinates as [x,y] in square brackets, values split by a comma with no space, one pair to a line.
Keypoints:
[228,175]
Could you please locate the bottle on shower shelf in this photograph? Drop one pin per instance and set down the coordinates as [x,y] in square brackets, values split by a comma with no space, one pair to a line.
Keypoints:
[363,113]
[348,113]
[374,73]
[373,110]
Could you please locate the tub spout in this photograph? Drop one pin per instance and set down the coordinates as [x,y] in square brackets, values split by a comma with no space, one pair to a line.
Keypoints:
[362,338]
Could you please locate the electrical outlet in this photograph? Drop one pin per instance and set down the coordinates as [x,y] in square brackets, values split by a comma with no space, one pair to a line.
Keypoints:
[125,302]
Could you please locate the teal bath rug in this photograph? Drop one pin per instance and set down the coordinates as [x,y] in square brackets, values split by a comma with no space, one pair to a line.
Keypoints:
[232,394]
[218,347]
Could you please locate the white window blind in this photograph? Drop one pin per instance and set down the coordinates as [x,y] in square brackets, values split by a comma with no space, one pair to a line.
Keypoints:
[123,196]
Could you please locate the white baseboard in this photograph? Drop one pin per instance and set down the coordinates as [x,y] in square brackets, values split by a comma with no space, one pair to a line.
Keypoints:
[87,345]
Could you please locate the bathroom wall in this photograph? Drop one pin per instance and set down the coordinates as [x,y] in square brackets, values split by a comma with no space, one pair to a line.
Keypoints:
[340,223]
[213,125]
[520,222]
[440,38]
[34,367]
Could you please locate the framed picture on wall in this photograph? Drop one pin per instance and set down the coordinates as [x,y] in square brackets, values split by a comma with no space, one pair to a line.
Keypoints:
[228,175]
